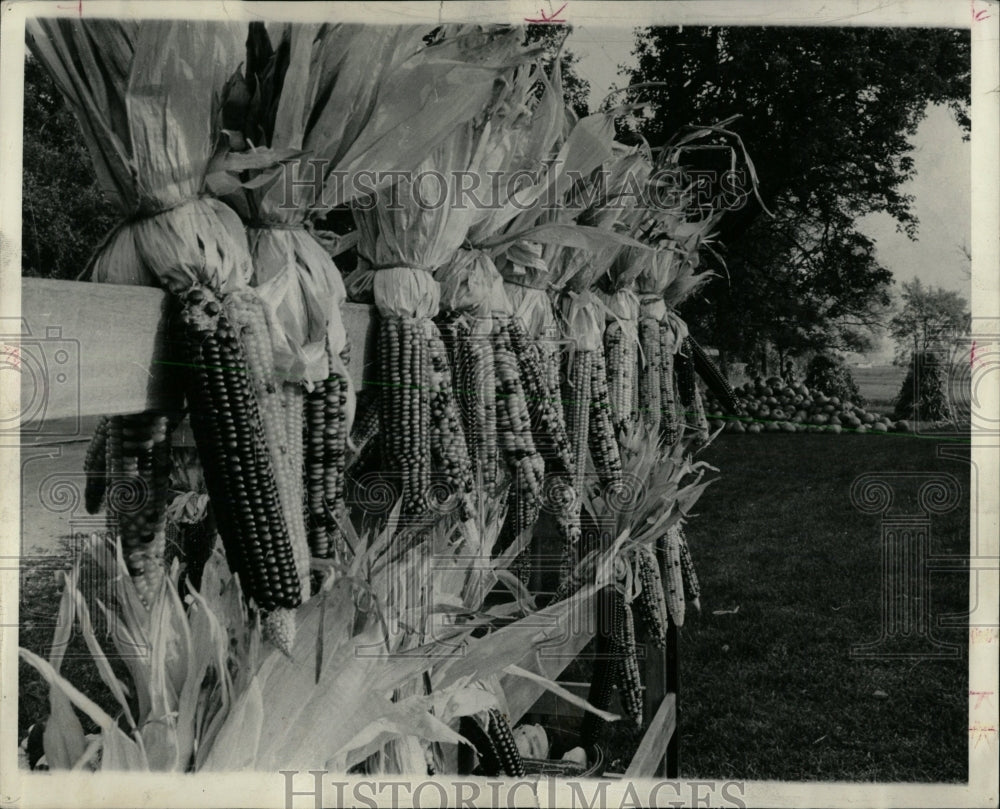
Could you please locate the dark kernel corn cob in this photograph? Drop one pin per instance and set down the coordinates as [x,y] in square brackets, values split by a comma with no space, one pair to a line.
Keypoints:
[95,467]
[628,679]
[651,602]
[650,403]
[448,445]
[670,557]
[692,589]
[406,413]
[547,420]
[602,681]
[138,455]
[620,355]
[601,436]
[713,378]
[228,423]
[687,384]
[474,374]
[314,422]
[668,404]
[505,749]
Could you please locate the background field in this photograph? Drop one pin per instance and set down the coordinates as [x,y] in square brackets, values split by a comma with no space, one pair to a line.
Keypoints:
[879,384]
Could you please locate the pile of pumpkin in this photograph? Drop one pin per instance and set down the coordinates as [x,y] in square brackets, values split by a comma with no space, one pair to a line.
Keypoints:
[772,406]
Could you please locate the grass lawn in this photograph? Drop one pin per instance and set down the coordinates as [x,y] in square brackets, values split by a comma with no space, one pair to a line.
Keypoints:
[772,692]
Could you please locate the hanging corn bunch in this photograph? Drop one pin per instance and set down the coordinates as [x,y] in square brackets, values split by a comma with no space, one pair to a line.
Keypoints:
[403,241]
[338,116]
[196,248]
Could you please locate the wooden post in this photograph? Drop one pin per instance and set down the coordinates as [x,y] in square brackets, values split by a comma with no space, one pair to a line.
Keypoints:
[673,672]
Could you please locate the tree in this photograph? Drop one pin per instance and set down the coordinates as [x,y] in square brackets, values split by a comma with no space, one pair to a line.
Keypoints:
[65,215]
[928,319]
[825,115]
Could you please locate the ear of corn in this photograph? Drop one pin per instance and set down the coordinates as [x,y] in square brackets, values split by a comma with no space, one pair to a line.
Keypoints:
[315,422]
[406,413]
[228,420]
[448,445]
[95,467]
[713,378]
[690,397]
[601,436]
[621,355]
[325,458]
[650,404]
[281,410]
[668,405]
[628,679]
[576,400]
[475,376]
[651,602]
[692,589]
[505,748]
[605,666]
[670,556]
[525,465]
[547,420]
[576,404]
[138,457]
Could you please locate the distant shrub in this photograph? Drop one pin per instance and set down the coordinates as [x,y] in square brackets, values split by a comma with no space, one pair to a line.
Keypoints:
[830,375]
[923,395]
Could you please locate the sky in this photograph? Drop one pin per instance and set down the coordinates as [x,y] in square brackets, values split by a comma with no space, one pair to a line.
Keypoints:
[941,187]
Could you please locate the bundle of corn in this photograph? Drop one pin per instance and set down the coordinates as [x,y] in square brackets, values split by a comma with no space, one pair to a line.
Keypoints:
[146,103]
[666,493]
[523,139]
[403,240]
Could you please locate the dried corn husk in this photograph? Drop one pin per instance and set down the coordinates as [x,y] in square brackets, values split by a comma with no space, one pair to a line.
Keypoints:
[145,95]
[322,92]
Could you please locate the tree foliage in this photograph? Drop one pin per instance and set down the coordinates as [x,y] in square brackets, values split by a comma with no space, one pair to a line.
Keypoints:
[65,214]
[927,319]
[826,115]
